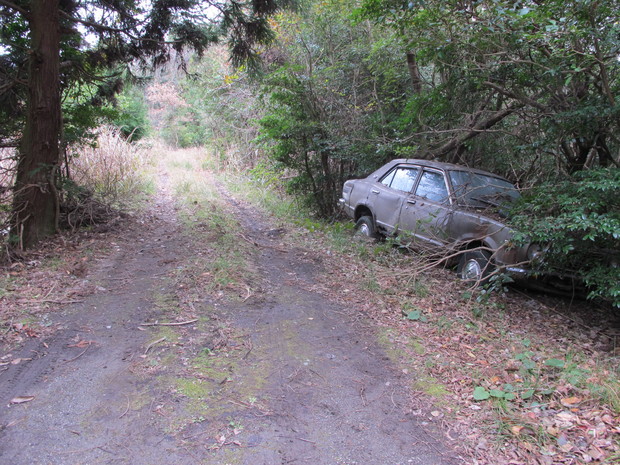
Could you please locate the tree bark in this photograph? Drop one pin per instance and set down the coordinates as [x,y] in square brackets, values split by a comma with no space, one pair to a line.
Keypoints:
[35,201]
[414,73]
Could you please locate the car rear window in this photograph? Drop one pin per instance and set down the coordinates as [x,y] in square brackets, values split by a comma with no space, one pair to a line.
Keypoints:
[476,189]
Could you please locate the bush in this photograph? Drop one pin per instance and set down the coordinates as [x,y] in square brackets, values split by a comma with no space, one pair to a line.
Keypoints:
[578,220]
[111,168]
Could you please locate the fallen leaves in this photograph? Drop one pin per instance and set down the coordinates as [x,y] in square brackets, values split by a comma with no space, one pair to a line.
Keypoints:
[504,362]
[570,401]
[25,329]
[39,283]
[15,361]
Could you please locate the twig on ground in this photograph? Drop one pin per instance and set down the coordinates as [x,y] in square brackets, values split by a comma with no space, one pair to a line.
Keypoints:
[258,407]
[299,439]
[239,403]
[363,396]
[181,323]
[249,294]
[50,291]
[318,374]
[126,409]
[9,328]
[257,244]
[48,301]
[249,350]
[153,343]
[81,353]
[81,451]
[14,422]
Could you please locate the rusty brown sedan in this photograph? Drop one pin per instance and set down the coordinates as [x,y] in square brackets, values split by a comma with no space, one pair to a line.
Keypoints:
[441,206]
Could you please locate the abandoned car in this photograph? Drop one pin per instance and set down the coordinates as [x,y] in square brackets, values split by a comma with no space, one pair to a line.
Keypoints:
[454,208]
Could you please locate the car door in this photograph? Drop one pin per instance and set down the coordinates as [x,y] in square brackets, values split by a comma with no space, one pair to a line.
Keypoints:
[387,195]
[426,213]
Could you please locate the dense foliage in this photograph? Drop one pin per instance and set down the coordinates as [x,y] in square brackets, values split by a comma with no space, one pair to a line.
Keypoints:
[577,221]
[514,87]
[525,90]
[333,93]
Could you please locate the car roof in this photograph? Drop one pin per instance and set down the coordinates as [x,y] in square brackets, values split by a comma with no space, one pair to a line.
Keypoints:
[442,166]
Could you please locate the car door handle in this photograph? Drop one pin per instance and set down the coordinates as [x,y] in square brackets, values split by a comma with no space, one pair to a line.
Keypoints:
[411,201]
[374,191]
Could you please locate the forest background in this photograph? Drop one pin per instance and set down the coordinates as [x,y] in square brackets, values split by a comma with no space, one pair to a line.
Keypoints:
[329,90]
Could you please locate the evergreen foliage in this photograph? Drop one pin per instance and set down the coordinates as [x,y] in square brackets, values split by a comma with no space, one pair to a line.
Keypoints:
[332,91]
[577,220]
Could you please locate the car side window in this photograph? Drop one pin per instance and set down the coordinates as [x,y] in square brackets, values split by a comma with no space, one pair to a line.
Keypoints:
[432,186]
[402,178]
[387,180]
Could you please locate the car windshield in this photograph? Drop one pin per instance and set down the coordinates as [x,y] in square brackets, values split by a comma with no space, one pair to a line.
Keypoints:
[478,190]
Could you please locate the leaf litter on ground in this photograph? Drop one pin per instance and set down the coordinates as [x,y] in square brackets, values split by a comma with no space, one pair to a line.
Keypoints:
[518,378]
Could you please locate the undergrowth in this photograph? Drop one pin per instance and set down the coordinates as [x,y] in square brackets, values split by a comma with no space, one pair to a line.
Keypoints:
[114,170]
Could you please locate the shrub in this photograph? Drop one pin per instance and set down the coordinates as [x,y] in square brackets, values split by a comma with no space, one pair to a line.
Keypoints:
[112,168]
[578,220]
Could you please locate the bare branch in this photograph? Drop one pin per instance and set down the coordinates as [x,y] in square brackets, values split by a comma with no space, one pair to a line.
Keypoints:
[520,98]
[473,131]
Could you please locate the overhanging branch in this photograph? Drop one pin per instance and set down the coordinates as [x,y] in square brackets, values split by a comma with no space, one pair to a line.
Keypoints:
[521,98]
[478,128]
[15,7]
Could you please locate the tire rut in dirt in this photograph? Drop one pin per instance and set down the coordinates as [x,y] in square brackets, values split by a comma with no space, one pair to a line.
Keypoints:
[334,396]
[88,406]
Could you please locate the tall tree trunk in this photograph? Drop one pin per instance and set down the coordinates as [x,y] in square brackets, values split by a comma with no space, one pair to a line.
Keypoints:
[414,73]
[35,198]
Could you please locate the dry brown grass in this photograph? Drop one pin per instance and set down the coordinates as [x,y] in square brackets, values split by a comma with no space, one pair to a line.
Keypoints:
[107,174]
[111,169]
[7,178]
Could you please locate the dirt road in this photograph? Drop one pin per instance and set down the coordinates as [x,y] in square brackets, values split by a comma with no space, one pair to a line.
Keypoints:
[280,375]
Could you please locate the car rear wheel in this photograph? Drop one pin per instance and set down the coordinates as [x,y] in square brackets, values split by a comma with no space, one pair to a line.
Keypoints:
[365,227]
[475,266]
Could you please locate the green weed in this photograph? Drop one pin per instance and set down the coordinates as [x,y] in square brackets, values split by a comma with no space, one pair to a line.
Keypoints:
[431,387]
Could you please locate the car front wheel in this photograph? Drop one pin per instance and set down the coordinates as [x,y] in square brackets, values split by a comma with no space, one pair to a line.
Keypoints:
[475,266]
[365,227]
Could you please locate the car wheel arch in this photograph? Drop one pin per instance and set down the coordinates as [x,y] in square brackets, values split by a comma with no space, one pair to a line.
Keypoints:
[470,242]
[363,210]
[468,245]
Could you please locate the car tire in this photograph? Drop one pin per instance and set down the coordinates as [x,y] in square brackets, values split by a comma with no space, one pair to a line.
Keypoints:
[365,228]
[475,266]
